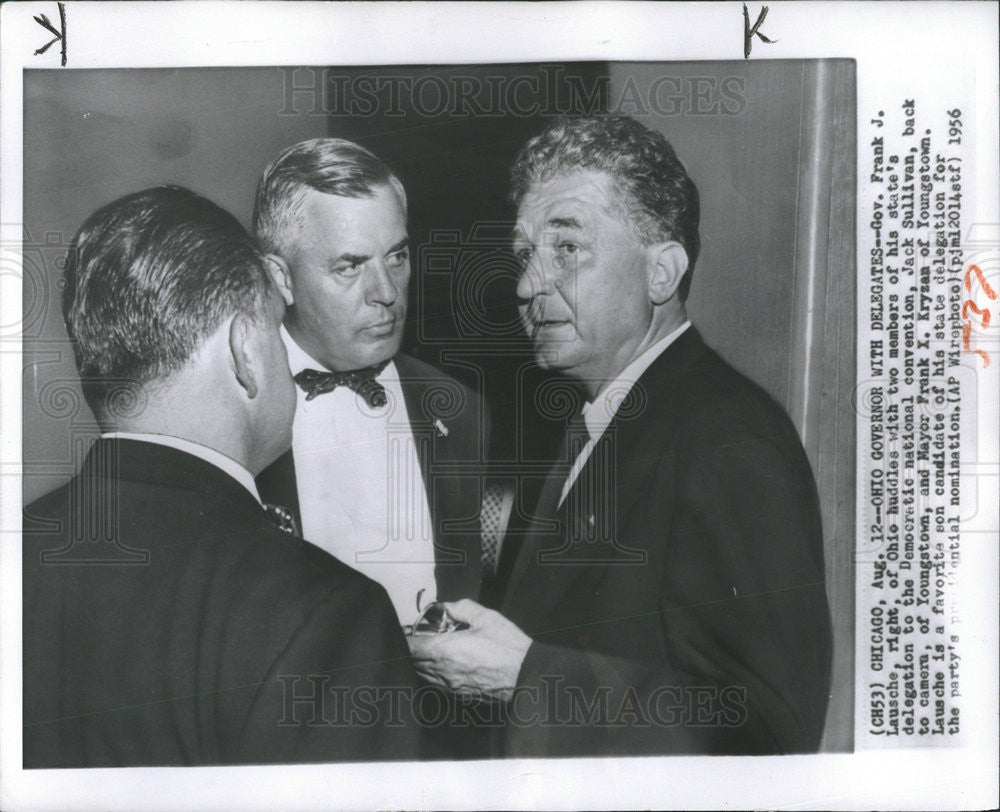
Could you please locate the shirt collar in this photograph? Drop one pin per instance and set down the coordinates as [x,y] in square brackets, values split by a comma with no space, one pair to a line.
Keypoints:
[598,414]
[209,455]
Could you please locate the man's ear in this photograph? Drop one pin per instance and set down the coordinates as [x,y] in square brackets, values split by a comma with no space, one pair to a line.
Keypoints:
[241,334]
[666,264]
[282,277]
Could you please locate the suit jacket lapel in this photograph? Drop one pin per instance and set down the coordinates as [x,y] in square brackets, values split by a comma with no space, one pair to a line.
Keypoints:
[413,394]
[547,518]
[457,568]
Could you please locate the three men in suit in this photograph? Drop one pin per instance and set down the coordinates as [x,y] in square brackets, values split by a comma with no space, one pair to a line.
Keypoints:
[167,619]
[382,443]
[669,597]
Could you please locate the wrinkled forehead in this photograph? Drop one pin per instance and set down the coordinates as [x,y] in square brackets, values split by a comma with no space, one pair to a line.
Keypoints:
[581,197]
[322,216]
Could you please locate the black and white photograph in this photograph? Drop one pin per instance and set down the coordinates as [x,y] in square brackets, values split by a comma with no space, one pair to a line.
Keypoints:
[453,419]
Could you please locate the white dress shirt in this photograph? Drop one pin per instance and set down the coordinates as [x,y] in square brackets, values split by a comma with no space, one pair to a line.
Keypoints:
[210,455]
[598,414]
[361,490]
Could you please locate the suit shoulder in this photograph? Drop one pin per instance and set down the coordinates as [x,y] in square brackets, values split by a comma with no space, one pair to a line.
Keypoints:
[289,562]
[281,580]
[306,580]
[38,516]
[717,396]
[50,503]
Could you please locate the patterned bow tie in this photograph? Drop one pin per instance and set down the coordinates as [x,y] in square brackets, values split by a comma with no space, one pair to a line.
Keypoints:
[362,381]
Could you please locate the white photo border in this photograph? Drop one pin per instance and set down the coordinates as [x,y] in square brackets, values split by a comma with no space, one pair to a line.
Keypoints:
[900,48]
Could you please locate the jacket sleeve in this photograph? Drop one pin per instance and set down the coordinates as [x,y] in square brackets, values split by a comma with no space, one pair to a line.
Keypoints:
[342,689]
[743,656]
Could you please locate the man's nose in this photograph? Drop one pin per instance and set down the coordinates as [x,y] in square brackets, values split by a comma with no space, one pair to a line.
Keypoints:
[535,279]
[381,289]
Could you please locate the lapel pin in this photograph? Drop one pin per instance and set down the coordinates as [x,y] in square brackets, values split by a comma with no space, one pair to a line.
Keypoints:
[442,429]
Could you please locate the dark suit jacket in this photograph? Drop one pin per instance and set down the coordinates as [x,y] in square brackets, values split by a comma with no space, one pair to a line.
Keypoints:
[166,620]
[451,464]
[680,586]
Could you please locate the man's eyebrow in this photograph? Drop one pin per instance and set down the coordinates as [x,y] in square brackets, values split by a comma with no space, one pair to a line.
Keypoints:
[399,246]
[351,259]
[564,222]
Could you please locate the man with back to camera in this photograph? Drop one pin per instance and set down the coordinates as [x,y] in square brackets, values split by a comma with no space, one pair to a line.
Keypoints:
[379,436]
[669,597]
[188,649]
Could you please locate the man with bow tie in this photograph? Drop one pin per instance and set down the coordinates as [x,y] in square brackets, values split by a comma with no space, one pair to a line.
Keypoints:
[382,469]
[167,619]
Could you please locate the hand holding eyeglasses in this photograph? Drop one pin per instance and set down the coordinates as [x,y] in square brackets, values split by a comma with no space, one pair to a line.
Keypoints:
[482,659]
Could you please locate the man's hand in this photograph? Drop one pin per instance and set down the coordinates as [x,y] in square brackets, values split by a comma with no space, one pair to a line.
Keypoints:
[481,661]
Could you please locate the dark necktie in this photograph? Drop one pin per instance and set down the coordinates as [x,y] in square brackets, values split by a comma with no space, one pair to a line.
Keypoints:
[282,518]
[573,441]
[362,381]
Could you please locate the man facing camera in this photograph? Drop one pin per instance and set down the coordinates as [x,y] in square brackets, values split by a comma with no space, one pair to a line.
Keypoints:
[169,618]
[669,597]
[382,444]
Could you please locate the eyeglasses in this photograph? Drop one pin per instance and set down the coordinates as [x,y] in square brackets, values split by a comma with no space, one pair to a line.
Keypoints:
[435,620]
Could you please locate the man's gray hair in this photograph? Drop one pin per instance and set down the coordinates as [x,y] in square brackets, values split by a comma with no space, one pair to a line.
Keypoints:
[329,165]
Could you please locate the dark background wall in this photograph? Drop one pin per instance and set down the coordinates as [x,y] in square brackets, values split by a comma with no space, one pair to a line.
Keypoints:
[769,144]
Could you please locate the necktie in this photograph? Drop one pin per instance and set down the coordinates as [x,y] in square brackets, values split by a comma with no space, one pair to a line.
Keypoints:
[577,439]
[494,516]
[573,440]
[362,381]
[282,518]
